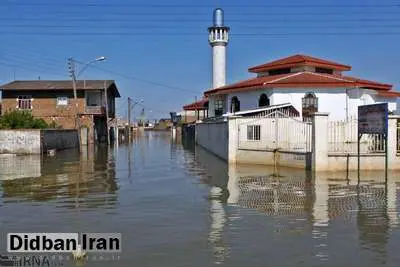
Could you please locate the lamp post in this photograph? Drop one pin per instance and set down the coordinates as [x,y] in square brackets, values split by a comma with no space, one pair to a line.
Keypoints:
[72,70]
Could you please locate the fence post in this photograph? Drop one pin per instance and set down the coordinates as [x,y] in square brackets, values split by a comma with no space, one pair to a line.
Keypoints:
[392,141]
[320,141]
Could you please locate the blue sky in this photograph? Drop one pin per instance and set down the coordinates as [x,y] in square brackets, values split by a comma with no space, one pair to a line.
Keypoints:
[158,50]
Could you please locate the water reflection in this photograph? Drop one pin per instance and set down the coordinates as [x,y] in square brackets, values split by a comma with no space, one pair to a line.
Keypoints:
[71,179]
[215,174]
[301,202]
[16,167]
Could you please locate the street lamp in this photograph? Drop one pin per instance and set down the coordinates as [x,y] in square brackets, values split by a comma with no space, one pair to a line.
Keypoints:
[72,70]
[87,64]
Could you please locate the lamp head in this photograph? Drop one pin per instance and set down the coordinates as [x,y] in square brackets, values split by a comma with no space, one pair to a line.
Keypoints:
[101,58]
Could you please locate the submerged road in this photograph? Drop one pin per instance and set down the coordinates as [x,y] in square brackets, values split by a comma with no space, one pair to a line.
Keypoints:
[178,205]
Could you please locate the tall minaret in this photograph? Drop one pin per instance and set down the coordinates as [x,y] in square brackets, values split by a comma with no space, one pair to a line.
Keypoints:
[218,38]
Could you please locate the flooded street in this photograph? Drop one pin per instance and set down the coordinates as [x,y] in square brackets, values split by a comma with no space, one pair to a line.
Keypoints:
[178,205]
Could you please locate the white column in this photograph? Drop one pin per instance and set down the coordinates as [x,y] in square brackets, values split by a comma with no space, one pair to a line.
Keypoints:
[219,65]
[320,141]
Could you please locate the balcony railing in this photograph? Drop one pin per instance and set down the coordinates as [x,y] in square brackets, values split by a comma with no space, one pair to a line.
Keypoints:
[96,110]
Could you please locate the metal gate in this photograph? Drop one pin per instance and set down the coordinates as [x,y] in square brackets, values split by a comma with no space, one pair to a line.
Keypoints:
[275,131]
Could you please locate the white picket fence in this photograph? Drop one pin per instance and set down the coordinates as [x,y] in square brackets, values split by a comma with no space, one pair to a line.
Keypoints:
[342,138]
[274,132]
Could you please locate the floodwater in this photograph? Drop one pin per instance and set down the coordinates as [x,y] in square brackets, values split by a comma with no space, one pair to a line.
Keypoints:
[178,205]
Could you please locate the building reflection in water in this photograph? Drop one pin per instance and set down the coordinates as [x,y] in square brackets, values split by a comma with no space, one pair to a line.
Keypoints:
[293,192]
[70,178]
[212,171]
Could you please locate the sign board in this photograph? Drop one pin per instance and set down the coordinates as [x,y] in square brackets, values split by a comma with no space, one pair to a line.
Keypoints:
[373,119]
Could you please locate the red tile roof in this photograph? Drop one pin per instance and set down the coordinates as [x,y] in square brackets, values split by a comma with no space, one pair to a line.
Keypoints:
[300,80]
[298,61]
[389,94]
[199,105]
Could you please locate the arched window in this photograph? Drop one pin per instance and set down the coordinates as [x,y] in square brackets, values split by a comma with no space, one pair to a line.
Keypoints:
[235,104]
[310,105]
[263,101]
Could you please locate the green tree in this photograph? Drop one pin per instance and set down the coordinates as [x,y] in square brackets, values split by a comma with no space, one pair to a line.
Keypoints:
[21,120]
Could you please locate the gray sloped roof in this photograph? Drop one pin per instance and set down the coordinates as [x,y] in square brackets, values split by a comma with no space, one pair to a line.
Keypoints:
[61,85]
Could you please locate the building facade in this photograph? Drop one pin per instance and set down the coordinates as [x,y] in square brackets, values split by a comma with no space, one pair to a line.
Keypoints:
[310,84]
[195,111]
[53,101]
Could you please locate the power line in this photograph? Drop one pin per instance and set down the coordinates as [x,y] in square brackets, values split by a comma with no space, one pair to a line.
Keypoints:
[126,76]
[152,109]
[166,27]
[19,66]
[77,5]
[131,77]
[190,20]
[153,14]
[163,34]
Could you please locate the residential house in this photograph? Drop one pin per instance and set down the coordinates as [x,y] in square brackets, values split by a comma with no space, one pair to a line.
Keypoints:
[309,84]
[53,101]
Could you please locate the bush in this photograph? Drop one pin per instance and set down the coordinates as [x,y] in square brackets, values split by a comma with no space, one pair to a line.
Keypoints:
[21,120]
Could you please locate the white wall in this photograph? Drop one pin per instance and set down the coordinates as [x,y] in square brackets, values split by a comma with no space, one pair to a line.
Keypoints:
[338,102]
[248,100]
[329,100]
[332,100]
[392,103]
[20,142]
[214,137]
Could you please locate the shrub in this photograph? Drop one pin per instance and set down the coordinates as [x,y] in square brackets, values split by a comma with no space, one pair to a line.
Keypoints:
[21,120]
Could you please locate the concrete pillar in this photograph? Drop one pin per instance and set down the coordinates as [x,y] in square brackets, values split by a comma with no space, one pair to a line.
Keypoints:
[320,141]
[392,141]
[233,135]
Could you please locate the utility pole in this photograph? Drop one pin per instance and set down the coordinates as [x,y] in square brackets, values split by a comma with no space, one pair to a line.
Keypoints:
[72,69]
[129,117]
[107,118]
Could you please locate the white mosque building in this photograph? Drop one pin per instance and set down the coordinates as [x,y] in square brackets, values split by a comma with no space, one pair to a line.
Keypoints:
[309,84]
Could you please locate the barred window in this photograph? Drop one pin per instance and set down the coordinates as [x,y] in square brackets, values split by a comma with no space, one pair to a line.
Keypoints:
[254,132]
[24,102]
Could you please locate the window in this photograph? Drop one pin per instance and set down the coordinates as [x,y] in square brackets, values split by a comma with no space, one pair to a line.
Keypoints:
[62,101]
[310,105]
[235,104]
[263,101]
[219,107]
[24,102]
[279,71]
[323,70]
[254,132]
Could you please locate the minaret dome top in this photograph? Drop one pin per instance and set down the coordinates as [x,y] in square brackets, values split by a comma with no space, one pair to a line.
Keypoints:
[218,17]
